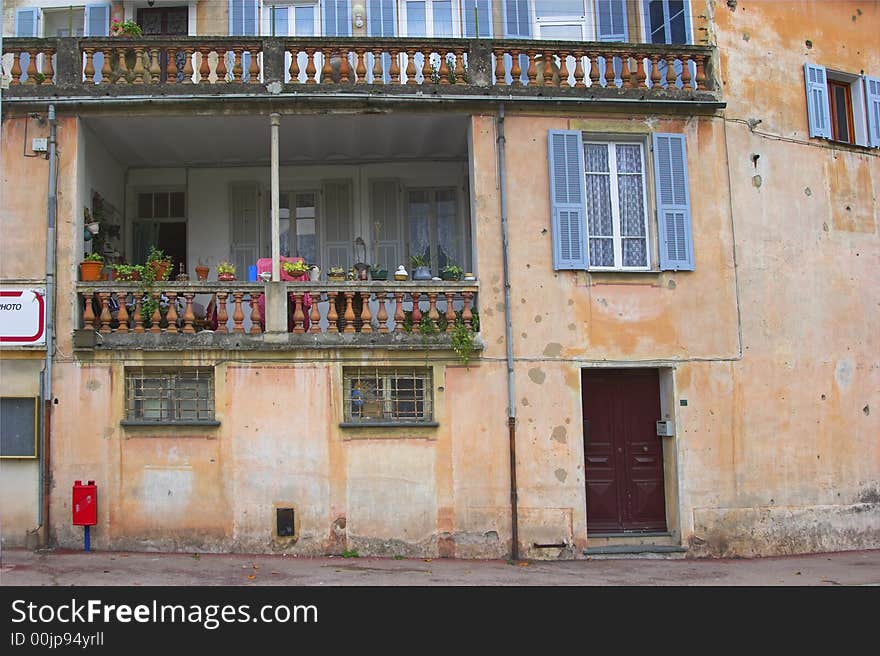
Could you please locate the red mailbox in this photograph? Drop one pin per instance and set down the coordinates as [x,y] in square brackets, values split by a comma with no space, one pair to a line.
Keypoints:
[85,504]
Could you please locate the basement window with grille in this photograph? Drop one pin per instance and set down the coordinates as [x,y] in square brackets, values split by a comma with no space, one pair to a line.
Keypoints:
[388,396]
[176,396]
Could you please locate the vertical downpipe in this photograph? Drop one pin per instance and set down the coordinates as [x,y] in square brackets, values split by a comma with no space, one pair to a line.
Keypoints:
[46,387]
[508,332]
[275,120]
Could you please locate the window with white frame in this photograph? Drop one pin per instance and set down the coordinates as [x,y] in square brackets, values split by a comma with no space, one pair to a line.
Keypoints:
[436,18]
[291,18]
[842,106]
[600,208]
[617,213]
[667,21]
[435,227]
[169,395]
[380,395]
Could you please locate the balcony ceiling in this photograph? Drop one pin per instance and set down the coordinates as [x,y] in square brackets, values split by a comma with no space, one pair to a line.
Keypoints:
[194,140]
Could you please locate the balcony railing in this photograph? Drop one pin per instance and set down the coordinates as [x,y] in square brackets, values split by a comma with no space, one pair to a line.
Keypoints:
[179,314]
[210,65]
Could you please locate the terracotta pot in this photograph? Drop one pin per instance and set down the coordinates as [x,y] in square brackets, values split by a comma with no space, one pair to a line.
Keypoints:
[225,276]
[202,272]
[160,269]
[90,271]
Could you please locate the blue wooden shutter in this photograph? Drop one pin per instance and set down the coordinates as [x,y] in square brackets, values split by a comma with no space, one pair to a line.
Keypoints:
[673,203]
[477,18]
[337,19]
[26,22]
[611,20]
[97,20]
[818,109]
[567,199]
[872,101]
[517,20]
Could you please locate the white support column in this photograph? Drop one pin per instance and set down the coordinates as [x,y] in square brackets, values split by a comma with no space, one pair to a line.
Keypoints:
[275,119]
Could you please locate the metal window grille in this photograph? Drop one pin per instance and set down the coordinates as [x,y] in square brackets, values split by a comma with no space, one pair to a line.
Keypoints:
[378,394]
[168,395]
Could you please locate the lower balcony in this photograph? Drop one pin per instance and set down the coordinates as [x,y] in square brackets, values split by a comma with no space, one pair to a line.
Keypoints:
[233,315]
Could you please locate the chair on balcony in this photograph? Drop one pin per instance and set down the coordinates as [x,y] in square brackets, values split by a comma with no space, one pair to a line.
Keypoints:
[264,264]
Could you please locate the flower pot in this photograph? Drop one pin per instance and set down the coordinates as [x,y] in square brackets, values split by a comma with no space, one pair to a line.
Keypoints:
[449,276]
[225,277]
[421,273]
[90,271]
[336,278]
[160,269]
[202,272]
[379,275]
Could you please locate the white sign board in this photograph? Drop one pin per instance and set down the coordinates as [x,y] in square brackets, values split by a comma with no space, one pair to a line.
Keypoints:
[22,317]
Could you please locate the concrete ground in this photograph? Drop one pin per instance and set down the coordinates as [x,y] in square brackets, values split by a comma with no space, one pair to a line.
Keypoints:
[20,567]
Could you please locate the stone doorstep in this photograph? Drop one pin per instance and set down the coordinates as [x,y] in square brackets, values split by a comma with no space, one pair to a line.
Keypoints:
[642,544]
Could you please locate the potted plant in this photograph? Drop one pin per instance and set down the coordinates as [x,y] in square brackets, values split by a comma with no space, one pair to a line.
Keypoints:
[378,272]
[225,271]
[451,272]
[128,272]
[296,270]
[125,28]
[421,270]
[336,274]
[90,267]
[159,264]
[202,271]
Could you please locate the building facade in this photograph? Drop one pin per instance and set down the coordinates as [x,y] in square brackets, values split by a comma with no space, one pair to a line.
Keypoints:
[650,315]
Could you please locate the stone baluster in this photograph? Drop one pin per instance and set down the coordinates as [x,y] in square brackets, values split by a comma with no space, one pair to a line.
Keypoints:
[563,70]
[310,66]
[171,67]
[466,315]
[32,67]
[655,72]
[394,71]
[221,66]
[579,69]
[122,315]
[627,74]
[532,72]
[327,69]
[137,318]
[294,65]
[450,310]
[444,69]
[332,316]
[222,317]
[344,67]
[123,66]
[382,315]
[609,70]
[237,64]
[547,69]
[237,313]
[515,69]
[410,68]
[641,71]
[254,300]
[459,65]
[15,72]
[88,313]
[593,71]
[155,69]
[107,67]
[254,70]
[416,313]
[360,68]
[188,65]
[171,317]
[701,72]
[670,74]
[156,318]
[138,69]
[298,316]
[366,316]
[686,72]
[89,70]
[399,316]
[427,71]
[188,315]
[377,67]
[50,71]
[315,314]
[105,312]
[349,313]
[500,77]
[433,315]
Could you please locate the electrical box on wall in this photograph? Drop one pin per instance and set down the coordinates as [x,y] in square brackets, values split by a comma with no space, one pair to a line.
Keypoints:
[40,145]
[665,428]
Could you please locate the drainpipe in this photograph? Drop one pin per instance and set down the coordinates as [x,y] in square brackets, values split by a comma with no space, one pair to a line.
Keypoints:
[46,386]
[275,120]
[508,332]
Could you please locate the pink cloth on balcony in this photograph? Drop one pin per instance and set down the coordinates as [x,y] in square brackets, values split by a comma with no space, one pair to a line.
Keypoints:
[265,264]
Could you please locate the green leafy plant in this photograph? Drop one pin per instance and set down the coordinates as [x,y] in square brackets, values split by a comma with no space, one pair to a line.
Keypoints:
[127,28]
[378,272]
[39,78]
[93,257]
[129,272]
[297,268]
[463,342]
[451,272]
[350,553]
[225,268]
[418,261]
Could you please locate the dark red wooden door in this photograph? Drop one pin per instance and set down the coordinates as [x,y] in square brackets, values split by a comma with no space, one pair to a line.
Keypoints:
[622,453]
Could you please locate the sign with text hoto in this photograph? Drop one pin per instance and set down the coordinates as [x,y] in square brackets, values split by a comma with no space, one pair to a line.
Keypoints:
[22,317]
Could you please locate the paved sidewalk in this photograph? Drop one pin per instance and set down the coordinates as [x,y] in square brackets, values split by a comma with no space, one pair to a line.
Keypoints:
[19,567]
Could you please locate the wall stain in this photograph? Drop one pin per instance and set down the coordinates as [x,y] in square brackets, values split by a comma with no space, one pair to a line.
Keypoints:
[553,349]
[559,434]
[561,475]
[537,375]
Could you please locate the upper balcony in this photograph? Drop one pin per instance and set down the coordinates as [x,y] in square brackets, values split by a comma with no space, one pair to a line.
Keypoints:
[356,69]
